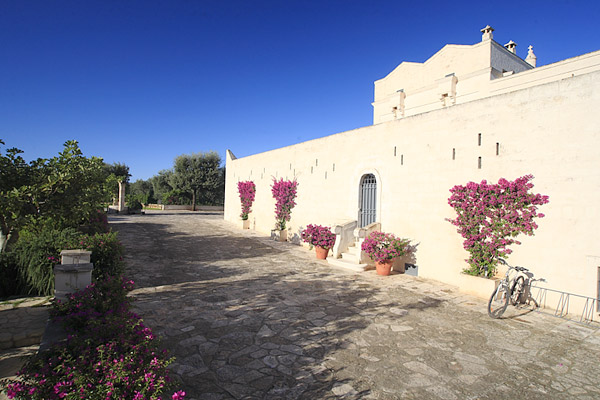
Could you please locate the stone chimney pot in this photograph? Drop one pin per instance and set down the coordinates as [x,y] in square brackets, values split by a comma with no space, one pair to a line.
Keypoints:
[486,33]
[511,46]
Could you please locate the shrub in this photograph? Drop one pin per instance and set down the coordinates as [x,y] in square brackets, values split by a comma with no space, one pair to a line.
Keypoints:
[284,193]
[247,191]
[107,253]
[382,246]
[490,216]
[10,279]
[108,354]
[317,235]
[36,253]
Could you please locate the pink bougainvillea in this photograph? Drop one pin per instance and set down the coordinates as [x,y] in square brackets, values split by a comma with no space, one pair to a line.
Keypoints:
[247,191]
[381,246]
[284,192]
[490,216]
[317,235]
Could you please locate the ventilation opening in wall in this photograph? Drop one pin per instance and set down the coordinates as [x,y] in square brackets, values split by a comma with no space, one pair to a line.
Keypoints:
[290,165]
[454,153]
[333,167]
[311,170]
[325,174]
[394,151]
[479,163]
[479,139]
[497,148]
[316,162]
[401,159]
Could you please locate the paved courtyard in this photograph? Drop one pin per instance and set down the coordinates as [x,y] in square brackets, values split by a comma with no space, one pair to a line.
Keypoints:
[250,318]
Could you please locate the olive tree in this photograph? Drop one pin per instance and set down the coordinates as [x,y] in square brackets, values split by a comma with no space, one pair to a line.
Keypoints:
[196,173]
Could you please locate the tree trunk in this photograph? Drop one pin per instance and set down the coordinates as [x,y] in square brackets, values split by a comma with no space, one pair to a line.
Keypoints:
[3,241]
[193,200]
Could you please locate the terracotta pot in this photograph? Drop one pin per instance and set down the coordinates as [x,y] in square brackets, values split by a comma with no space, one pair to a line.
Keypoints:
[245,224]
[384,267]
[321,252]
[283,235]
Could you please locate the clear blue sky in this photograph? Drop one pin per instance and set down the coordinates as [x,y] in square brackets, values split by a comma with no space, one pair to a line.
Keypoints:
[141,82]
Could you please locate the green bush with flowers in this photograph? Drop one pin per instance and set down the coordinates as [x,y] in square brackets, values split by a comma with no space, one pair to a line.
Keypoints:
[317,235]
[381,246]
[108,353]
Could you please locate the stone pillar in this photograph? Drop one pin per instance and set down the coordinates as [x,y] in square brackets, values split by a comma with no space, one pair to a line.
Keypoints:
[121,205]
[74,273]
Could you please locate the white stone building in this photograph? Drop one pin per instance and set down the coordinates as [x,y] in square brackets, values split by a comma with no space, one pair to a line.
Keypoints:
[470,112]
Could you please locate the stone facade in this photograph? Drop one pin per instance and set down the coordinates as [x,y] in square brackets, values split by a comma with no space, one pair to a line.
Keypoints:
[468,113]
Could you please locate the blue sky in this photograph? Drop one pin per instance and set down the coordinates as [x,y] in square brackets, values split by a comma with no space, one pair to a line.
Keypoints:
[141,82]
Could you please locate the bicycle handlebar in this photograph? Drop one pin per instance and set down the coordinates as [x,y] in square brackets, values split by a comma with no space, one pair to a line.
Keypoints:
[521,269]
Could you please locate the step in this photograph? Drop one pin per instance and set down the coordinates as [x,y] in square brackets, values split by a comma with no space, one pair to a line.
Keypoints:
[339,262]
[353,250]
[350,257]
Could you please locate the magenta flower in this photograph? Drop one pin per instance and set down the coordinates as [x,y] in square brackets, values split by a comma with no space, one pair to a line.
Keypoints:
[247,191]
[317,235]
[179,395]
[284,193]
[490,216]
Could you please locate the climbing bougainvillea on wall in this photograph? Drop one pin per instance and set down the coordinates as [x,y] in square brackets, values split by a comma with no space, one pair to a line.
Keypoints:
[284,192]
[490,216]
[247,191]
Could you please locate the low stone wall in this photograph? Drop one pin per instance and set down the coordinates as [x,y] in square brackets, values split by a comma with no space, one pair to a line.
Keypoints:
[183,207]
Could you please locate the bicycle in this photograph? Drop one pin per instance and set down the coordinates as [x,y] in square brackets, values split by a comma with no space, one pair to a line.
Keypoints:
[508,290]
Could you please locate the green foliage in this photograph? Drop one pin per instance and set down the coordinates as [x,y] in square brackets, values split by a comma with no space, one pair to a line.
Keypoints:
[142,191]
[61,192]
[113,174]
[36,253]
[16,206]
[160,183]
[10,279]
[198,174]
[109,353]
[177,197]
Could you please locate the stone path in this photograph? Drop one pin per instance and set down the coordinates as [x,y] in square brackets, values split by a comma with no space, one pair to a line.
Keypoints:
[249,318]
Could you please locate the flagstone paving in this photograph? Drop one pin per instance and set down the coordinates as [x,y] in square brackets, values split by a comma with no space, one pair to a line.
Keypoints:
[250,318]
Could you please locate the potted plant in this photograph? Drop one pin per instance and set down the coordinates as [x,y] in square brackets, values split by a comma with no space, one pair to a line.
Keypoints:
[284,192]
[384,248]
[247,191]
[320,237]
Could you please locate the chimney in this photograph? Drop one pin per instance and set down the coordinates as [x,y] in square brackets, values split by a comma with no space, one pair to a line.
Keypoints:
[531,58]
[511,46]
[486,33]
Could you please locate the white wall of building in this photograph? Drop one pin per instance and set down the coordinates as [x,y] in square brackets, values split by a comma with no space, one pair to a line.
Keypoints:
[542,122]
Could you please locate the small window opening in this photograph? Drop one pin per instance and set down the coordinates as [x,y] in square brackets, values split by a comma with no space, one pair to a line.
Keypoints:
[333,167]
[454,153]
[497,148]
[394,151]
[401,159]
[317,162]
[479,163]
[479,139]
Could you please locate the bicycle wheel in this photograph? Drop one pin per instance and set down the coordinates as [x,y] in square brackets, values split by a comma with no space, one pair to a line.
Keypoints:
[516,291]
[499,301]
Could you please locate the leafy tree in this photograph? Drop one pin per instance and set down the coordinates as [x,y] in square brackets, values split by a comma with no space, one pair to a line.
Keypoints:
[141,191]
[197,173]
[71,188]
[160,183]
[64,191]
[114,173]
[16,206]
